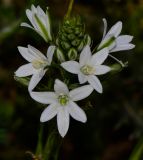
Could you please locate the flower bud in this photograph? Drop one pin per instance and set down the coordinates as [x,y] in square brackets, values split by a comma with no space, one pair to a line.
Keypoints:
[40,22]
[87,39]
[72,54]
[60,55]
[115,68]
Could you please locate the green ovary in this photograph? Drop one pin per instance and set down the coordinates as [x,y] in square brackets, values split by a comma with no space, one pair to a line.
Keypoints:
[63,99]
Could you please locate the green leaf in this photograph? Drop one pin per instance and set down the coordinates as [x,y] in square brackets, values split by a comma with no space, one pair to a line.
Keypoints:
[138,151]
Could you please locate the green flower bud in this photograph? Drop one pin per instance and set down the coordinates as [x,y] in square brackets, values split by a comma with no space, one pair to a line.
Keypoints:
[65,45]
[80,47]
[60,55]
[23,80]
[75,42]
[87,39]
[71,36]
[72,54]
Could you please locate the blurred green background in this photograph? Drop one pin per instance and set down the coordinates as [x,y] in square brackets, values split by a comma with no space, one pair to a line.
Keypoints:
[114,130]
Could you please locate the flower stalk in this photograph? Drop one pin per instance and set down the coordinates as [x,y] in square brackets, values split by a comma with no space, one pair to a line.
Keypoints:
[68,14]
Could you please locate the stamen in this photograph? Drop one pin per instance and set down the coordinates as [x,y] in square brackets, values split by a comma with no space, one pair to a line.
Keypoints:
[87,70]
[37,64]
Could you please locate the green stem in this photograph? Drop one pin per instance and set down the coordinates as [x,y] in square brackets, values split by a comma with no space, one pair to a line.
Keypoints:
[69,9]
[39,144]
[52,146]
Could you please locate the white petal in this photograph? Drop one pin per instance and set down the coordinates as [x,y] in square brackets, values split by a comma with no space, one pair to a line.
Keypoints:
[95,83]
[36,79]
[48,25]
[29,15]
[123,47]
[26,55]
[76,112]
[50,53]
[99,57]
[40,11]
[80,93]
[115,30]
[35,52]
[63,121]
[25,70]
[101,69]
[44,97]
[26,25]
[71,66]
[82,78]
[85,55]
[39,25]
[33,8]
[105,27]
[60,87]
[49,113]
[124,39]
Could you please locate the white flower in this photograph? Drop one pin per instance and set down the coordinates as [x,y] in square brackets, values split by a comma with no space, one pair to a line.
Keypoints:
[88,67]
[113,40]
[36,66]
[62,104]
[40,22]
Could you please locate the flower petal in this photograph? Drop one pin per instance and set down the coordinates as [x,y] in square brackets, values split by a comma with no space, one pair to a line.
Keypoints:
[85,56]
[48,24]
[26,55]
[35,52]
[71,66]
[40,11]
[50,53]
[101,69]
[63,121]
[26,25]
[25,70]
[44,97]
[82,78]
[123,47]
[49,113]
[115,30]
[29,15]
[95,83]
[80,93]
[124,39]
[60,87]
[34,9]
[37,76]
[105,27]
[99,57]
[76,112]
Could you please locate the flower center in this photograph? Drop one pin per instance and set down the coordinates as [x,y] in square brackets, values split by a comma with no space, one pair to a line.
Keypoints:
[37,64]
[63,99]
[87,70]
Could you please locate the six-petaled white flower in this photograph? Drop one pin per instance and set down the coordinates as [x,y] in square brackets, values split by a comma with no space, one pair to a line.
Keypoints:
[113,40]
[62,103]
[40,22]
[89,67]
[36,66]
